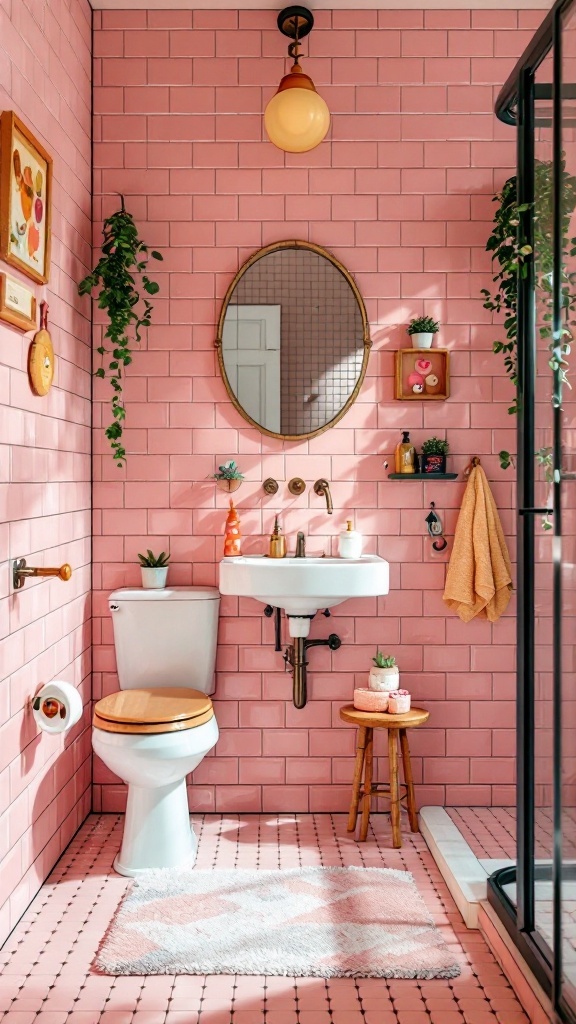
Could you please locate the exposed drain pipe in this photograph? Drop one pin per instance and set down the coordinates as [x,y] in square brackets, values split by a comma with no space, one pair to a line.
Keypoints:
[295,655]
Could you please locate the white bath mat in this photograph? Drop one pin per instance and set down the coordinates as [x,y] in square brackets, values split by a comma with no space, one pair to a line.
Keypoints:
[309,922]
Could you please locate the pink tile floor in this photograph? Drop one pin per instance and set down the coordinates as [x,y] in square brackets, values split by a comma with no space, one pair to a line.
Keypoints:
[47,978]
[491,831]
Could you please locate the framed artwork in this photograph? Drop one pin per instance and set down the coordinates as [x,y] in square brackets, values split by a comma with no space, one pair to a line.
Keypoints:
[17,303]
[25,197]
[422,374]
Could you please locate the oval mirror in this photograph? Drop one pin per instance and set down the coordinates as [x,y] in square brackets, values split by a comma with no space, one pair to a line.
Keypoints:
[293,340]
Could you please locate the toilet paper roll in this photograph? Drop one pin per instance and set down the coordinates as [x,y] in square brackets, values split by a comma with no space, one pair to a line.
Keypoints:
[57,707]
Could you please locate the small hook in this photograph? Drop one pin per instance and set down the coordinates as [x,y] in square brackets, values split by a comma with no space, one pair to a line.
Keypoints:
[474,461]
[434,525]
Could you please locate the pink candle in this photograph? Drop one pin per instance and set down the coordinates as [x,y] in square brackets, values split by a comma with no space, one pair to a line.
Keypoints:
[398,702]
[370,700]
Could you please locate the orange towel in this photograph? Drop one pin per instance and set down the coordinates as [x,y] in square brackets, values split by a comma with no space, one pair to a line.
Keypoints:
[479,577]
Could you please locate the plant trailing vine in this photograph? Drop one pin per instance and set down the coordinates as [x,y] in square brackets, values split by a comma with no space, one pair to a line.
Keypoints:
[511,253]
[124,259]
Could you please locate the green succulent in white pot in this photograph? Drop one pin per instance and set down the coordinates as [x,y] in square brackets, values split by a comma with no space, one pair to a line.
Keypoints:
[154,570]
[384,674]
[422,330]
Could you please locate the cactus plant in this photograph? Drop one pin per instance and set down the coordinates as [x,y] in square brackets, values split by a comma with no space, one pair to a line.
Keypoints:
[383,661]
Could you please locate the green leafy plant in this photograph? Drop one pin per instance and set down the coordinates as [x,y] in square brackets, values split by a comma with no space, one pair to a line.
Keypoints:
[544,458]
[511,254]
[423,325]
[435,446]
[229,471]
[118,275]
[151,561]
[383,661]
[506,459]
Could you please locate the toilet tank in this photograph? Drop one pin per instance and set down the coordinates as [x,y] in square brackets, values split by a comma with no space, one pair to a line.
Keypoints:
[165,637]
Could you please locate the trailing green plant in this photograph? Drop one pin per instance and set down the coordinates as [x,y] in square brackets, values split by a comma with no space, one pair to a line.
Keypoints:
[435,446]
[383,661]
[229,471]
[118,274]
[544,458]
[511,254]
[423,325]
[151,561]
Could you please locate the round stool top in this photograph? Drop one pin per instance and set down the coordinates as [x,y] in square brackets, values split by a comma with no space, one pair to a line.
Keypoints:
[382,720]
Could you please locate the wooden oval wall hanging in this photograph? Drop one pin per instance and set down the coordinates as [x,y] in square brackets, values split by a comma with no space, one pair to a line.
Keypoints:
[41,356]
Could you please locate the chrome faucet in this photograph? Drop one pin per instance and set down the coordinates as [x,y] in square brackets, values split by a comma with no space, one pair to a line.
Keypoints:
[300,545]
[322,488]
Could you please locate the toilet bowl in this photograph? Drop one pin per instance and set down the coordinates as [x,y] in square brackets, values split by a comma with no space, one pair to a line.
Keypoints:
[157,728]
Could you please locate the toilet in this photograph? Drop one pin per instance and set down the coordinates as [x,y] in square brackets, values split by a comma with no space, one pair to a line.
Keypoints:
[157,728]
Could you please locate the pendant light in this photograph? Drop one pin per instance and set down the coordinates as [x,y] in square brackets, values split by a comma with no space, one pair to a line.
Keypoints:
[296,118]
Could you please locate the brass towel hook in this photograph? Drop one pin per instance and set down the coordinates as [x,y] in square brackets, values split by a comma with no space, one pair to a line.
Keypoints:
[474,461]
[20,572]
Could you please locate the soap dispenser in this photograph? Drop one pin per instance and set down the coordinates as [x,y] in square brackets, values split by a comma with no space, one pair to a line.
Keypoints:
[233,537]
[350,542]
[405,455]
[277,547]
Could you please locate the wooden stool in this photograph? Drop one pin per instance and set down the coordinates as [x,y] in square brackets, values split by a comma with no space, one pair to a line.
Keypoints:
[397,726]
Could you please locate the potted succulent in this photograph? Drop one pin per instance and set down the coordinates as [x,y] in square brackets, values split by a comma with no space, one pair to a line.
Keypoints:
[384,674]
[433,458]
[229,477]
[422,330]
[154,570]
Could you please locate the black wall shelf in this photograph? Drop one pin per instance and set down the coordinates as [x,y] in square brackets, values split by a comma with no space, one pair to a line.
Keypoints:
[423,476]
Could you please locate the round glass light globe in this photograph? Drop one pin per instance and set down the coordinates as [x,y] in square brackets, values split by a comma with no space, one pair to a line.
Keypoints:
[297,120]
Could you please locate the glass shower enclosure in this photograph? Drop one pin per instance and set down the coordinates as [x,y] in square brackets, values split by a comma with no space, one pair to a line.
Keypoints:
[536,897]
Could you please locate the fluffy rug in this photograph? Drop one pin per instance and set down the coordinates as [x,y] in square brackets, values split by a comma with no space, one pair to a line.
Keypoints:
[309,922]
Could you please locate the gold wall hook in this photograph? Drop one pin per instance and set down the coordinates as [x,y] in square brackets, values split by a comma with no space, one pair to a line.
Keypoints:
[20,572]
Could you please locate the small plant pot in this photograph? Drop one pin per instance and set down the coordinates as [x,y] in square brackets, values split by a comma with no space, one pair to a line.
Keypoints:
[384,679]
[423,340]
[228,485]
[432,464]
[154,578]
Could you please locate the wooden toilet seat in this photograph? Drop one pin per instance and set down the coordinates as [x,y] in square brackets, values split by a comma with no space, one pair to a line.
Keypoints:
[167,709]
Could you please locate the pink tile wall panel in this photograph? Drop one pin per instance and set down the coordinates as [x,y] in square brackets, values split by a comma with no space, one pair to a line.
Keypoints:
[45,464]
[401,194]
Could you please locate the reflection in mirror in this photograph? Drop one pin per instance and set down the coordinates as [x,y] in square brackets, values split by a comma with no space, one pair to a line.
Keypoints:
[293,340]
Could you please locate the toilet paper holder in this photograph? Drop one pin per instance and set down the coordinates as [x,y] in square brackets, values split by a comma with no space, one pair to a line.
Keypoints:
[57,706]
[50,706]
[20,572]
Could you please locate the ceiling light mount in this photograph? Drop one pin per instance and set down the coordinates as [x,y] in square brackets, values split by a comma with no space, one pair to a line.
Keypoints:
[295,21]
[297,119]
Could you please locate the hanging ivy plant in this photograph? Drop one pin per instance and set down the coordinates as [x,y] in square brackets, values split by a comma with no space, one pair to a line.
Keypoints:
[510,254]
[119,272]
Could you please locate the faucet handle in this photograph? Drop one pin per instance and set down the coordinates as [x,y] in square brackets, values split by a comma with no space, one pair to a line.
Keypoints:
[322,489]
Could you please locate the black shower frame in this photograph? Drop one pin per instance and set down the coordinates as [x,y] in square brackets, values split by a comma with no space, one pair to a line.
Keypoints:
[516,106]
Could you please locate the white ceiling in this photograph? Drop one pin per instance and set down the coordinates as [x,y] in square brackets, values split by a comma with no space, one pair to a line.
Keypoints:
[320,5]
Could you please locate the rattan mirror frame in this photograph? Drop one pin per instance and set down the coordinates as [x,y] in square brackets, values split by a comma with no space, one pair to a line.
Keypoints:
[366,340]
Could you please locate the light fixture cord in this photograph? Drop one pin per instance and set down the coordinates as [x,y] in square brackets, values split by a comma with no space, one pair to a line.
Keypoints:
[294,47]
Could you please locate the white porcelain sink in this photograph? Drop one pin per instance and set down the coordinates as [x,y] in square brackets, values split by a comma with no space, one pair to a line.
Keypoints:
[303,586]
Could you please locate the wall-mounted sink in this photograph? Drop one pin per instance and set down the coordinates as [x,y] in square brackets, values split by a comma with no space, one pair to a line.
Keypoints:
[303,586]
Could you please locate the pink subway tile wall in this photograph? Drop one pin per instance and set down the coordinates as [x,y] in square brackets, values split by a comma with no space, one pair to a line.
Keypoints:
[401,192]
[45,464]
